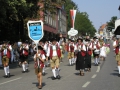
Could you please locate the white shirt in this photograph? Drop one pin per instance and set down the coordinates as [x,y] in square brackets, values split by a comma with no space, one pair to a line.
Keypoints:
[114,43]
[27,47]
[54,50]
[42,56]
[96,42]
[81,47]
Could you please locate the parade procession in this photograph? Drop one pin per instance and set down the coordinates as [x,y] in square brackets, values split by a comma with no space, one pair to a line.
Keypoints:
[81,52]
[53,45]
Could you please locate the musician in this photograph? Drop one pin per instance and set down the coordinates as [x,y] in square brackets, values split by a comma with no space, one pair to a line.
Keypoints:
[80,53]
[70,50]
[6,54]
[54,53]
[88,46]
[96,51]
[116,45]
[39,59]
[24,56]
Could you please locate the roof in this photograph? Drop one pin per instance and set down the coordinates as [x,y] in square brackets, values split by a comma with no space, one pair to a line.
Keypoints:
[102,26]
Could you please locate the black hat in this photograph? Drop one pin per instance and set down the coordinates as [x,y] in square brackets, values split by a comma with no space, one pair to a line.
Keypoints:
[87,40]
[53,39]
[40,48]
[80,39]
[94,37]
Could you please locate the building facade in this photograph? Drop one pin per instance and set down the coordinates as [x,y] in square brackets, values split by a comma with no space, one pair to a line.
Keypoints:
[54,24]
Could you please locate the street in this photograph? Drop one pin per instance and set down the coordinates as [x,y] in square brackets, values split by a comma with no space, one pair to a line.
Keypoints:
[102,77]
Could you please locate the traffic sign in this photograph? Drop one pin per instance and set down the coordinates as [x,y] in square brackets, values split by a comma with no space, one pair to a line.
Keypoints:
[35,30]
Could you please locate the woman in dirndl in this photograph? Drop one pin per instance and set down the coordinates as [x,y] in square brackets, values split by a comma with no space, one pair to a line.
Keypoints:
[88,46]
[80,53]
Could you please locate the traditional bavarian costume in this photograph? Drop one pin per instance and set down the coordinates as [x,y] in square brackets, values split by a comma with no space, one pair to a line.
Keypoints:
[39,58]
[96,51]
[80,62]
[88,47]
[70,50]
[24,56]
[6,54]
[55,53]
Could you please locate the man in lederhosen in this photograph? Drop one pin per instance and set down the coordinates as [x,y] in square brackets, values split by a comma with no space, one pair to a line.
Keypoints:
[55,53]
[96,51]
[88,46]
[39,59]
[80,53]
[24,56]
[70,50]
[6,54]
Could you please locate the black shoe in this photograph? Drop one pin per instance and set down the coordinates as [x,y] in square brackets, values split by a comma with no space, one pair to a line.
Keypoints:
[19,65]
[118,75]
[43,74]
[53,78]
[58,77]
[27,70]
[23,71]
[8,75]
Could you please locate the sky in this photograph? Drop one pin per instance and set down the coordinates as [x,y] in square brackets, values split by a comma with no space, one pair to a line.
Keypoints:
[99,11]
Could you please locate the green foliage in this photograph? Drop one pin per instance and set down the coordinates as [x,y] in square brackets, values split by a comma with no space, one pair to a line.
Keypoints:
[111,23]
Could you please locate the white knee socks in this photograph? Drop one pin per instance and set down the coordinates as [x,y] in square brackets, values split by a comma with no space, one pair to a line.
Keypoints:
[70,61]
[119,69]
[54,73]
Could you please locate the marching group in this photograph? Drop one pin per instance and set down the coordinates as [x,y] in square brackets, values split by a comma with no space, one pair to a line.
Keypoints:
[45,53]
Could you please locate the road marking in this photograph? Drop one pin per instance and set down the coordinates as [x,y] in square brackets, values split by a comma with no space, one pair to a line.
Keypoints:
[94,76]
[86,84]
[98,69]
[10,81]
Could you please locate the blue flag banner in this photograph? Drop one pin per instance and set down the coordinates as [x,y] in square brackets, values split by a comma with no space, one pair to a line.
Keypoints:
[35,30]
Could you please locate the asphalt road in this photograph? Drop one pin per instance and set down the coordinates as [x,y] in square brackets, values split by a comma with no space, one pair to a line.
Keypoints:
[102,77]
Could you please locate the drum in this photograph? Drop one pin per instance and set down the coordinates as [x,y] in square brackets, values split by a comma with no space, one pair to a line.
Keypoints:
[97,51]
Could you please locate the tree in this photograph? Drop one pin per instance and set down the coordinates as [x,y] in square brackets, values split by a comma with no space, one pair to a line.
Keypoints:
[15,13]
[111,23]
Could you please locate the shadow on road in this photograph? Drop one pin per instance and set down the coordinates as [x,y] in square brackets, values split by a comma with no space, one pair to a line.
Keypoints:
[114,74]
[36,83]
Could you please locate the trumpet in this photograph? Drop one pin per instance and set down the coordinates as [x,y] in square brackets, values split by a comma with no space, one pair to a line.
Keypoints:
[4,47]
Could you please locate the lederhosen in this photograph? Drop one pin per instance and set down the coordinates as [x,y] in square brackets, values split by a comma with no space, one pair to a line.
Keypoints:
[5,58]
[38,65]
[70,50]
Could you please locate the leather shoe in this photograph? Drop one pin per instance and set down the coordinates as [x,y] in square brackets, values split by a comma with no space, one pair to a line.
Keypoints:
[58,77]
[8,75]
[53,78]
